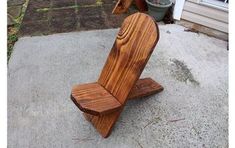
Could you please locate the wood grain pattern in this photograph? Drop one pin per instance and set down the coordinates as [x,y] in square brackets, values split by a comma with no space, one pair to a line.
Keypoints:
[132,48]
[121,6]
[143,88]
[129,55]
[93,99]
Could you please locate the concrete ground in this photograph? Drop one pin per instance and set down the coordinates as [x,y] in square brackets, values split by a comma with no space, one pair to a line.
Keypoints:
[192,111]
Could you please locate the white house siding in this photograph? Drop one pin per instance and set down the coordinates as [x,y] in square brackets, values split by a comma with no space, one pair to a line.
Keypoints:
[210,17]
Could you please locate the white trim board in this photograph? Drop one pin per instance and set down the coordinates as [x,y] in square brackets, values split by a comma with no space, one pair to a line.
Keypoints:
[206,11]
[209,22]
[178,9]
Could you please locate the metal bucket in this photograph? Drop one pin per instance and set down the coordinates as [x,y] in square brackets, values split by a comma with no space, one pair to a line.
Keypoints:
[158,11]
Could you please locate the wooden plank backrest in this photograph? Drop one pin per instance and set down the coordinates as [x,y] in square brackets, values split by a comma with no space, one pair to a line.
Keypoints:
[131,50]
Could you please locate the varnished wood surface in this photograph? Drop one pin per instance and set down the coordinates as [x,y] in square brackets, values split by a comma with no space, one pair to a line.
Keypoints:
[121,6]
[93,99]
[132,48]
[141,5]
[143,88]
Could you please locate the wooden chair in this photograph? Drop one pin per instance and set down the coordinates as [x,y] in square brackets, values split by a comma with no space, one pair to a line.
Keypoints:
[123,5]
[102,102]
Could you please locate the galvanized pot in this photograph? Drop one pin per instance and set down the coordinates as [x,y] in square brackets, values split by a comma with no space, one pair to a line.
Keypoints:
[158,11]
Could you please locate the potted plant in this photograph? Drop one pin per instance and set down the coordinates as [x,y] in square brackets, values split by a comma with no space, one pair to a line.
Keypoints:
[158,8]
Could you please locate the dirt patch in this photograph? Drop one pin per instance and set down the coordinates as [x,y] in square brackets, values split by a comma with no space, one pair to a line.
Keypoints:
[181,72]
[57,16]
[16,10]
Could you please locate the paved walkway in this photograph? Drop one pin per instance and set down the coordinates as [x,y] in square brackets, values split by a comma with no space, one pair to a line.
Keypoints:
[192,111]
[55,16]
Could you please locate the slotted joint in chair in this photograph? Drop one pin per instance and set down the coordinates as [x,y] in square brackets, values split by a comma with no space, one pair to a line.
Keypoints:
[102,102]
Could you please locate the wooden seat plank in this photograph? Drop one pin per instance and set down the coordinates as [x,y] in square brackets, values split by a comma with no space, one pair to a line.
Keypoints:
[93,99]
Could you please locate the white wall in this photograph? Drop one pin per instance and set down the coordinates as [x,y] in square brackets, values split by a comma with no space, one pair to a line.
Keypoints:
[196,12]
